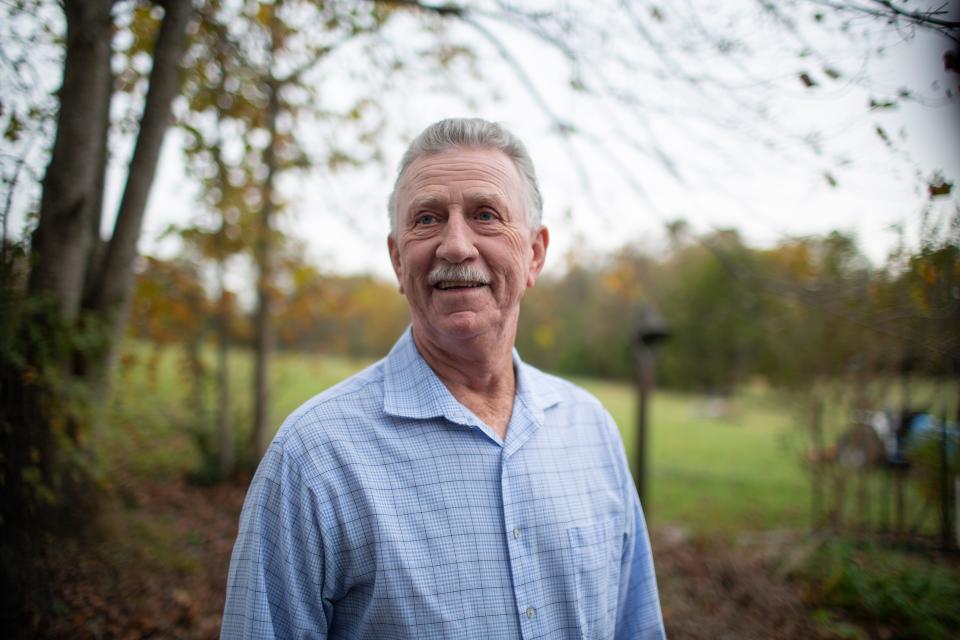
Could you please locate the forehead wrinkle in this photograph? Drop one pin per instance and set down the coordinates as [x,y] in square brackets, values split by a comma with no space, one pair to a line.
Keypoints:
[441,196]
[486,163]
[429,201]
[494,169]
[489,198]
[438,180]
[459,181]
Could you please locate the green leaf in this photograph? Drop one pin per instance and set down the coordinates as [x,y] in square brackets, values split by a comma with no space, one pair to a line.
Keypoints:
[14,128]
[882,104]
[883,134]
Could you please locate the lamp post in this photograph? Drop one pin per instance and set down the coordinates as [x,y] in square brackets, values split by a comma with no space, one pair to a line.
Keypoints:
[651,331]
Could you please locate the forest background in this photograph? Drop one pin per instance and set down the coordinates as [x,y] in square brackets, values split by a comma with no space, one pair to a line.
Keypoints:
[751,177]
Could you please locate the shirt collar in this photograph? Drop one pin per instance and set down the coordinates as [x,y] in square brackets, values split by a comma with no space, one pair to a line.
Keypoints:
[411,389]
[533,391]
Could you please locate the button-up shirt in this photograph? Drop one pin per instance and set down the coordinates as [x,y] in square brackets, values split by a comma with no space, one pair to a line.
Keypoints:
[386,509]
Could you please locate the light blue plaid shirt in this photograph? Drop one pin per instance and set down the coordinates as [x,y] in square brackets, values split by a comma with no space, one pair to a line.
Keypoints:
[386,509]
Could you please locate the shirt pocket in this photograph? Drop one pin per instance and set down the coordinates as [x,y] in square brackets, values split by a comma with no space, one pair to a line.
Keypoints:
[594,551]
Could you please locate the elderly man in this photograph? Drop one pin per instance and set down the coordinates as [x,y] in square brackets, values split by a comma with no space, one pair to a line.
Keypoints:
[450,490]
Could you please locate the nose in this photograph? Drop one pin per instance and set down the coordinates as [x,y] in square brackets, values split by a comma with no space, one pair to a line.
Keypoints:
[457,242]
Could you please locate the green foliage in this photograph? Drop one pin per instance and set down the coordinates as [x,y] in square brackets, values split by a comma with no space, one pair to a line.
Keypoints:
[49,481]
[583,322]
[339,315]
[914,596]
[731,310]
[169,305]
[208,469]
[805,310]
[714,310]
[357,316]
[161,427]
[930,287]
[152,412]
[927,465]
[45,415]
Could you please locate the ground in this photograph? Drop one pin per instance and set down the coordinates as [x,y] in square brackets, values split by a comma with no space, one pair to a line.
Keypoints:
[722,590]
[156,565]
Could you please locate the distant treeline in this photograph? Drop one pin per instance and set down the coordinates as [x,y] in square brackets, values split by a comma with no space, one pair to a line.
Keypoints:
[790,314]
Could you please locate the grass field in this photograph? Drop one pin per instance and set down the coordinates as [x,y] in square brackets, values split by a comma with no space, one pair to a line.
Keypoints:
[741,470]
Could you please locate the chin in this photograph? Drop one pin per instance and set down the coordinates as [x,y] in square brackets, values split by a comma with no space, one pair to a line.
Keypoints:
[463,330]
[463,325]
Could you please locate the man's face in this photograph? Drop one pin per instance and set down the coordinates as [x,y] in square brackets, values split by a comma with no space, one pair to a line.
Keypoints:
[462,250]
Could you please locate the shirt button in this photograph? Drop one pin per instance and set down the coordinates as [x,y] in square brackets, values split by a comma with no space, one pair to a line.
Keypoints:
[516,533]
[531,612]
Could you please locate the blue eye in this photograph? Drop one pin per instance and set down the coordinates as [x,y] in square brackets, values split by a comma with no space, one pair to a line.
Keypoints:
[426,218]
[486,216]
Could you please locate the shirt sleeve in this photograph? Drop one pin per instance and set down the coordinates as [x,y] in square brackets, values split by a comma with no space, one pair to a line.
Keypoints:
[274,587]
[638,607]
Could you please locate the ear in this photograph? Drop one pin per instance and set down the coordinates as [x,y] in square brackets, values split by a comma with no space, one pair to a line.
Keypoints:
[395,261]
[541,240]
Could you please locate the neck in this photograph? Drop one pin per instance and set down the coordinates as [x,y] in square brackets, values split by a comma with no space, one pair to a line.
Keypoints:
[477,371]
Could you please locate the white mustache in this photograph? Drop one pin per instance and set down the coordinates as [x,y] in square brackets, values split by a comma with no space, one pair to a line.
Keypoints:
[457,273]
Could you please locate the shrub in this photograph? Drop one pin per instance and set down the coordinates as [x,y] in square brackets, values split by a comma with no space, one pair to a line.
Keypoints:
[911,595]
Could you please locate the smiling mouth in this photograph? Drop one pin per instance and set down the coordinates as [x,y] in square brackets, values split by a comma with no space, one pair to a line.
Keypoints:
[446,285]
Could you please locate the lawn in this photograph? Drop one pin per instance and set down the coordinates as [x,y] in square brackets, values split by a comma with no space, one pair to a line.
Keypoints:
[718,466]
[711,471]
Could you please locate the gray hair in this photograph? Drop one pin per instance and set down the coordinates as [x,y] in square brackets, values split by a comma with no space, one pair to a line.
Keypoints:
[454,133]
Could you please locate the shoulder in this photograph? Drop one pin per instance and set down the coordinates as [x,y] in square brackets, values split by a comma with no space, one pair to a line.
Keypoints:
[556,393]
[569,406]
[329,415]
[315,444]
[577,419]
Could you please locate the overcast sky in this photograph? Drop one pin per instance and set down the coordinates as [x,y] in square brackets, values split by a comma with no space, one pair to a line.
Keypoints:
[719,129]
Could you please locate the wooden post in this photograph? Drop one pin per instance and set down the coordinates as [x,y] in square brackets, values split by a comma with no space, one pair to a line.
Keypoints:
[862,500]
[901,464]
[651,330]
[887,489]
[946,536]
[644,364]
[899,477]
[817,463]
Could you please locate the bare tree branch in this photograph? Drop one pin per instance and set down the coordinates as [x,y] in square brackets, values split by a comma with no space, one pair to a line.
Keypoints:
[11,188]
[924,19]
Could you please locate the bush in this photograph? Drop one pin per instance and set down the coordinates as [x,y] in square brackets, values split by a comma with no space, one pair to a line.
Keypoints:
[911,595]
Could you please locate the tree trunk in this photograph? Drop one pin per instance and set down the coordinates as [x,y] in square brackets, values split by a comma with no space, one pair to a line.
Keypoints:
[263,251]
[31,401]
[61,245]
[98,246]
[62,240]
[112,290]
[224,416]
[95,256]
